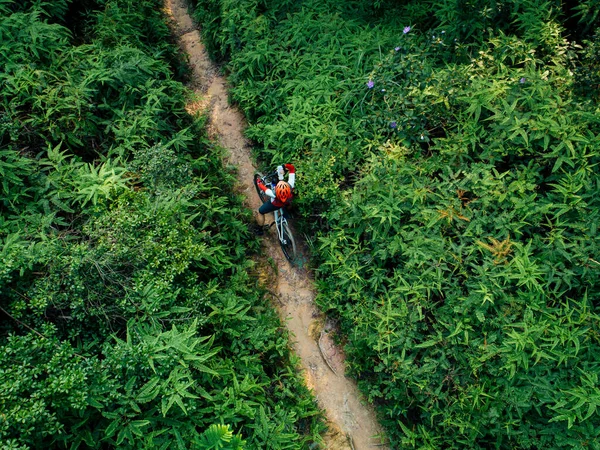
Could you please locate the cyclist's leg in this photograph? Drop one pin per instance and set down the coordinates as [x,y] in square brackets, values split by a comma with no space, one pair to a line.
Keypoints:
[266,208]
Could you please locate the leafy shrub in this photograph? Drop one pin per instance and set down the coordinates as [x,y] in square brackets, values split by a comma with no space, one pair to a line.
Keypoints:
[587,74]
[426,281]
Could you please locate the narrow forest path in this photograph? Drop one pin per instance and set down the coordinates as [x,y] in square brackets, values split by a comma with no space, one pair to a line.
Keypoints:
[352,422]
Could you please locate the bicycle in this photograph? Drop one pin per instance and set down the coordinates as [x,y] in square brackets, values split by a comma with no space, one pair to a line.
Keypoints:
[284,234]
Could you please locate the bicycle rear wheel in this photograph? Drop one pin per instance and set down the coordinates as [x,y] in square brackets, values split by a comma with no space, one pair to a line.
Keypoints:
[287,242]
[259,176]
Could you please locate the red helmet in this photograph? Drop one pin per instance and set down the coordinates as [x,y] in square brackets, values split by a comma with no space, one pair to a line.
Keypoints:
[283,191]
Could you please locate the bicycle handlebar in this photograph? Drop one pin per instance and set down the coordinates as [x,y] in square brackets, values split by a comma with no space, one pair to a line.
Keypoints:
[270,177]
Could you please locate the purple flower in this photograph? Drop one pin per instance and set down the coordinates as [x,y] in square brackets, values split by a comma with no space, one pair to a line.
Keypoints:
[397,49]
[393,124]
[370,84]
[522,80]
[406,30]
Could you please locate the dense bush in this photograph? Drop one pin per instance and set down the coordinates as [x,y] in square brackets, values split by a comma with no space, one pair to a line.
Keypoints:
[128,318]
[450,162]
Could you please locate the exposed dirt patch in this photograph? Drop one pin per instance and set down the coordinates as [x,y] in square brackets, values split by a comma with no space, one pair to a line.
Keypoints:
[352,423]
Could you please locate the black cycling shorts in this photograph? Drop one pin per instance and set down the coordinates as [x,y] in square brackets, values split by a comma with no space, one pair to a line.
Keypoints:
[268,207]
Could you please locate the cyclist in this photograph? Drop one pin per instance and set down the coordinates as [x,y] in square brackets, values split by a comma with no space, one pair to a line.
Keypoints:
[281,197]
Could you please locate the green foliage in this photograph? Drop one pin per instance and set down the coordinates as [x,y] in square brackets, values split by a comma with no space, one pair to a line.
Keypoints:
[26,38]
[453,293]
[219,437]
[55,9]
[587,14]
[13,170]
[587,73]
[159,167]
[42,379]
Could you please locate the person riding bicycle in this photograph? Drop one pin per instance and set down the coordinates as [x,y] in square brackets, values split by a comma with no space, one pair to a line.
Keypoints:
[281,197]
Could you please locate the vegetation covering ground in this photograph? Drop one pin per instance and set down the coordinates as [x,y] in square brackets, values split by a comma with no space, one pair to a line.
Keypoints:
[127,314]
[447,156]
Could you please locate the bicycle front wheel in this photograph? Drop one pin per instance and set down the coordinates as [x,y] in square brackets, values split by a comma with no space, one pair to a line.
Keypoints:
[287,242]
[259,176]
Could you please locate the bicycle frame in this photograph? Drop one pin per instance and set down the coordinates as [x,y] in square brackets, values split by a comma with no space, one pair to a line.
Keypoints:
[279,221]
[278,214]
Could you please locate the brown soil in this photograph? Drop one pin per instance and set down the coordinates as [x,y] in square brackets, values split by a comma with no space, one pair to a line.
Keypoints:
[352,423]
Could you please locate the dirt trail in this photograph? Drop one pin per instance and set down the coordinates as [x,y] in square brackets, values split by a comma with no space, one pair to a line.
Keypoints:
[352,423]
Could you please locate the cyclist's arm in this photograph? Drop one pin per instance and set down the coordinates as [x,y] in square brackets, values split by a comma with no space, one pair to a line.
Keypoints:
[266,190]
[292,173]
